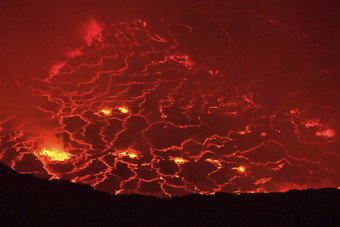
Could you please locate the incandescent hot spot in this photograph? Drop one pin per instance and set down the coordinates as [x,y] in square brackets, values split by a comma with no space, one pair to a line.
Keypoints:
[123,109]
[106,111]
[53,154]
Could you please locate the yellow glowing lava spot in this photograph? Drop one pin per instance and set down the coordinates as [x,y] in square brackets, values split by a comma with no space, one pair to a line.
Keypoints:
[118,191]
[179,160]
[129,153]
[240,169]
[54,154]
[106,111]
[123,109]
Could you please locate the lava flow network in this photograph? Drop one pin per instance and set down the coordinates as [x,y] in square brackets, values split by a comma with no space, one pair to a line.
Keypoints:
[129,113]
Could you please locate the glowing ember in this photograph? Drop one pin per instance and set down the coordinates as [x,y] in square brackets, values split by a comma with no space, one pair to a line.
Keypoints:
[129,153]
[179,160]
[54,154]
[132,155]
[123,110]
[106,111]
[240,169]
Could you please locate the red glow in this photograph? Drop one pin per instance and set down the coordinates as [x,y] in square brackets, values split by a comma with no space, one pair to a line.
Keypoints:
[73,53]
[326,133]
[134,110]
[93,32]
[56,68]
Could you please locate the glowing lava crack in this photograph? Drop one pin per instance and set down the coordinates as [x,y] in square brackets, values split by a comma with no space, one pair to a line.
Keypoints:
[135,115]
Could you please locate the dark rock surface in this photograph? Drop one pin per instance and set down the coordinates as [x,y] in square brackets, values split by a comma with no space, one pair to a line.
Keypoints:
[29,201]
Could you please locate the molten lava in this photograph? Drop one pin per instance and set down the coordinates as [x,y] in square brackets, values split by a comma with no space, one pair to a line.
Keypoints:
[240,169]
[106,111]
[179,160]
[53,154]
[123,110]
[136,113]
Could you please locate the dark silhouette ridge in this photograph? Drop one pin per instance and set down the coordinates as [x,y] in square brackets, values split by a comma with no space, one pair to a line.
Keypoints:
[27,200]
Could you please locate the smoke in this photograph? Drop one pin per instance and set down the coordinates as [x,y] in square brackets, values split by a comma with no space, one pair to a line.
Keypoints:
[38,35]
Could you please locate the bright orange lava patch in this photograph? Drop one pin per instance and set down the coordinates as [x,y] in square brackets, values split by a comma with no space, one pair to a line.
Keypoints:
[128,153]
[54,154]
[180,160]
[123,109]
[240,169]
[106,111]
